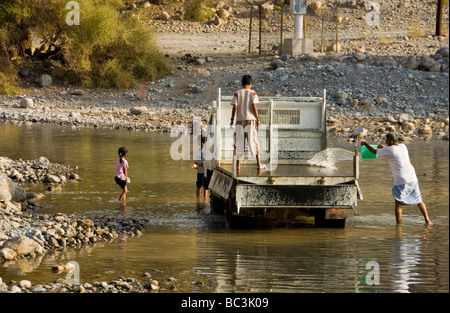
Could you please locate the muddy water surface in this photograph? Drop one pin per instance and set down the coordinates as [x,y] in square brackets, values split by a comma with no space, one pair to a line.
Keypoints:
[192,245]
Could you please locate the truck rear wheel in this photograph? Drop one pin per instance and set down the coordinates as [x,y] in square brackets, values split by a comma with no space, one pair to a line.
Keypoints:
[217,204]
[229,208]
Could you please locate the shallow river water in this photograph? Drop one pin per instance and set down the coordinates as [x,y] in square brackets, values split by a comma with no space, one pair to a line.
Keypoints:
[193,245]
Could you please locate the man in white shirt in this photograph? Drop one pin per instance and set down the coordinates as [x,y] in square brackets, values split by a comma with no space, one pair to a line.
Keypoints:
[406,185]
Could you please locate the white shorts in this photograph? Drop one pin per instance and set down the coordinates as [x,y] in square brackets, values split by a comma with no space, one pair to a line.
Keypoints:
[246,129]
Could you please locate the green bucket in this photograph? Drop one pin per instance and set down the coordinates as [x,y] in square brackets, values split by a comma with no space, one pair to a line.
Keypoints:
[366,154]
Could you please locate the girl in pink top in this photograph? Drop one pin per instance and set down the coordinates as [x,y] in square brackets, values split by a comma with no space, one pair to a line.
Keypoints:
[121,174]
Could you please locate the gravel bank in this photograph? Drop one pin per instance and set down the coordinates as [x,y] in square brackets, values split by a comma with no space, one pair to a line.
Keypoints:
[381,80]
[364,89]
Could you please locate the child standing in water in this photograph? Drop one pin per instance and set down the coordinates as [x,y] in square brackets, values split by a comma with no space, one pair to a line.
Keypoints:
[199,166]
[121,175]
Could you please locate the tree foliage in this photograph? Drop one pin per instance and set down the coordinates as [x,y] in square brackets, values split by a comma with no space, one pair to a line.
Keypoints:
[106,49]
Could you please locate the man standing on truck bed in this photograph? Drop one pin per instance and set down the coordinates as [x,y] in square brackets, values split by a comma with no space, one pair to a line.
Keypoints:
[244,104]
[406,185]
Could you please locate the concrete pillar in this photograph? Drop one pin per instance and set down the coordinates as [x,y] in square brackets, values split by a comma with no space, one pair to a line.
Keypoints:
[298,27]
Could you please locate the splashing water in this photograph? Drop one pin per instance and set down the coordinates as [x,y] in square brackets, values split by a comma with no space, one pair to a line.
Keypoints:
[330,156]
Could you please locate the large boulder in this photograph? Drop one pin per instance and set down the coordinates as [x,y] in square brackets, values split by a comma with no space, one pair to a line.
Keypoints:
[6,188]
[7,254]
[23,246]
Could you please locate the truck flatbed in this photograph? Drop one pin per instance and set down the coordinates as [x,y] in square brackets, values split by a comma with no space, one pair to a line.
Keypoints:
[289,174]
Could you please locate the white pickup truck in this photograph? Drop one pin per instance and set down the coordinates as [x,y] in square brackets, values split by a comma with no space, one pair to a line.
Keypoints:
[292,131]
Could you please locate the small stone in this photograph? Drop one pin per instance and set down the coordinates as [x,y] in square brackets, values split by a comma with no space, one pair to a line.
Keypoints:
[315,6]
[78,92]
[425,130]
[74,176]
[360,56]
[41,162]
[52,179]
[276,64]
[138,110]
[196,90]
[57,269]
[341,94]
[200,61]
[404,117]
[164,16]
[367,102]
[25,284]
[380,100]
[15,289]
[45,80]
[38,289]
[27,103]
[427,63]
[359,133]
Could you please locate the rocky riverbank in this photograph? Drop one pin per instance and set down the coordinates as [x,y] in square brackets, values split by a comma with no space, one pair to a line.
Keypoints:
[406,94]
[147,284]
[393,76]
[26,234]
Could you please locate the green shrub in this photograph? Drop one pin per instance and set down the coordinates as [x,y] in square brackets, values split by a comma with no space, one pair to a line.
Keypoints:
[8,78]
[199,10]
[107,49]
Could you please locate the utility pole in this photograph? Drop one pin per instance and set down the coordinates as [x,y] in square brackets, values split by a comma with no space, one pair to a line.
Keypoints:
[440,10]
[337,26]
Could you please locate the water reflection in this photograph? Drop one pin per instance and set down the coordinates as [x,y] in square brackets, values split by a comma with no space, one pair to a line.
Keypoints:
[185,241]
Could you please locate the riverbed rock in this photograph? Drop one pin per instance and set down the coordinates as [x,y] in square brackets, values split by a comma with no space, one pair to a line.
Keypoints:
[315,5]
[45,80]
[41,162]
[425,130]
[223,13]
[408,127]
[359,133]
[26,103]
[7,254]
[52,179]
[6,187]
[427,63]
[23,246]
[19,194]
[276,64]
[444,52]
[405,117]
[15,289]
[359,57]
[78,92]
[25,284]
[138,110]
